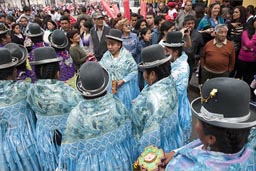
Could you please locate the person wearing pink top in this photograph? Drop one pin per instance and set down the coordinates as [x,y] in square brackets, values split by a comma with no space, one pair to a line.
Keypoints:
[247,54]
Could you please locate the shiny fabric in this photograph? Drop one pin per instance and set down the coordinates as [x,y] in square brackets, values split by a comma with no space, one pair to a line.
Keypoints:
[67,68]
[27,75]
[98,136]
[180,73]
[252,138]
[155,116]
[18,150]
[192,158]
[52,101]
[122,68]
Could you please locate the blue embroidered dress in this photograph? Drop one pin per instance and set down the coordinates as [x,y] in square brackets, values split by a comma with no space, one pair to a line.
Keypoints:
[180,72]
[131,44]
[122,68]
[155,116]
[52,101]
[97,137]
[192,158]
[18,150]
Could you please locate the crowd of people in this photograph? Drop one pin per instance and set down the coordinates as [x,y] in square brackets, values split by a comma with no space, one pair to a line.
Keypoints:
[93,93]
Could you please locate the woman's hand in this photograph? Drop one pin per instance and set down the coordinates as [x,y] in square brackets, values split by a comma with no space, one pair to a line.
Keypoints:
[168,157]
[120,83]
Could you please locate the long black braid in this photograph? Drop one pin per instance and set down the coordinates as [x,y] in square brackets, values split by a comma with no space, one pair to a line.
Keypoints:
[47,71]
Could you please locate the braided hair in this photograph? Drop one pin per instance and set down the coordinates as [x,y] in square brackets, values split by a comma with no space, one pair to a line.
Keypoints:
[161,71]
[5,73]
[227,140]
[47,71]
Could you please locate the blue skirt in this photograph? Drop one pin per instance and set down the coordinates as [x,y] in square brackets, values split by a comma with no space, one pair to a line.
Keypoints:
[45,136]
[112,151]
[185,116]
[18,150]
[128,91]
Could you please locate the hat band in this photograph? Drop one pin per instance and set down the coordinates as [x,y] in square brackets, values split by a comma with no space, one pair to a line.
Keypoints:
[209,116]
[87,92]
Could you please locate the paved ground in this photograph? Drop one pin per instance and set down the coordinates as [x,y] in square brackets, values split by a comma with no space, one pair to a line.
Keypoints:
[193,92]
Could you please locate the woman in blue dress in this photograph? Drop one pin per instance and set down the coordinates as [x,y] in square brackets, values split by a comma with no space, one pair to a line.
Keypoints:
[52,101]
[18,149]
[98,135]
[224,122]
[155,110]
[122,69]
[180,72]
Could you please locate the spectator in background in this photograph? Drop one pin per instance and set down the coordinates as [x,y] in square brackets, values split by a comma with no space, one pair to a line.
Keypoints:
[24,25]
[27,14]
[235,29]
[218,57]
[98,33]
[134,19]
[166,27]
[247,54]
[84,14]
[9,21]
[156,31]
[249,15]
[65,24]
[16,34]
[85,34]
[209,22]
[200,11]
[130,40]
[141,23]
[197,43]
[150,16]
[71,18]
[172,12]
[162,9]
[183,13]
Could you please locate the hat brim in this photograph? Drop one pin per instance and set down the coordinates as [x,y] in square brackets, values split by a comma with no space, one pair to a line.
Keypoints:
[173,44]
[35,35]
[24,54]
[46,61]
[62,46]
[3,32]
[114,38]
[14,62]
[196,107]
[146,65]
[93,93]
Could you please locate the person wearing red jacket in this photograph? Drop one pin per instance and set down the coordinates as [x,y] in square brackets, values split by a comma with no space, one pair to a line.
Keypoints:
[71,18]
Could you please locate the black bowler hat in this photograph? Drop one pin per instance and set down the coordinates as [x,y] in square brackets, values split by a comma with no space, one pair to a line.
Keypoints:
[45,55]
[115,34]
[225,102]
[34,30]
[3,28]
[7,60]
[174,39]
[153,56]
[92,79]
[58,39]
[18,51]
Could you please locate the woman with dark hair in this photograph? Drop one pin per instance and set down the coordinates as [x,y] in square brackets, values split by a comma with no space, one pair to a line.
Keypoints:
[166,27]
[235,28]
[154,112]
[122,69]
[145,40]
[224,122]
[52,101]
[140,24]
[247,58]
[85,34]
[208,22]
[76,52]
[18,150]
[16,34]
